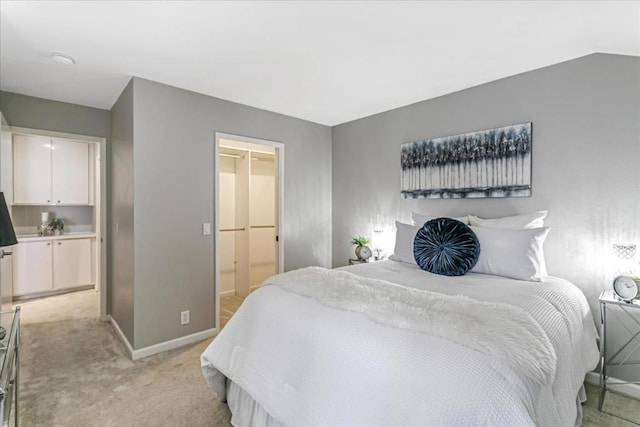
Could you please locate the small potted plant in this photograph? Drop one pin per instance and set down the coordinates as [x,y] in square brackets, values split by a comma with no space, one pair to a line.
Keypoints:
[57,225]
[362,250]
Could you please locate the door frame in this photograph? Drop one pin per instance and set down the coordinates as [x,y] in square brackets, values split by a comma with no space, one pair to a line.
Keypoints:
[279,158]
[102,236]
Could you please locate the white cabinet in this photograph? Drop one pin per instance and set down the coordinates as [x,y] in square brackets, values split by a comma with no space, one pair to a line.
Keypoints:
[50,171]
[45,266]
[71,263]
[70,172]
[31,169]
[32,267]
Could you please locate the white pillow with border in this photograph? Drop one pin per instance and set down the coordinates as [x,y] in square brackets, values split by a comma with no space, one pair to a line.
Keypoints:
[528,220]
[403,250]
[419,219]
[517,254]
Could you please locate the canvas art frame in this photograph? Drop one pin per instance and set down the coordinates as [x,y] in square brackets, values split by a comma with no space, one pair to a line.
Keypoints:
[487,163]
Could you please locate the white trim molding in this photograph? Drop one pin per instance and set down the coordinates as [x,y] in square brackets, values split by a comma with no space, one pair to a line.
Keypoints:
[163,346]
[631,390]
[123,338]
[102,237]
[279,157]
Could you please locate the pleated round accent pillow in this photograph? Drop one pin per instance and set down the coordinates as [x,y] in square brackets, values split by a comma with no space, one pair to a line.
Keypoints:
[446,246]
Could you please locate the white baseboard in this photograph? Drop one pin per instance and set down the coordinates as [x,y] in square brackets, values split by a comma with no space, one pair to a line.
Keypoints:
[163,346]
[123,338]
[175,343]
[233,291]
[631,390]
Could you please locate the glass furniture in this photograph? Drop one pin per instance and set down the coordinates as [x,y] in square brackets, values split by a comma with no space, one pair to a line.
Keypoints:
[611,307]
[9,368]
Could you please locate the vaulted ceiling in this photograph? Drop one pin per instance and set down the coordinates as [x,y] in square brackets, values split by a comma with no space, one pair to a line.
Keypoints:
[327,62]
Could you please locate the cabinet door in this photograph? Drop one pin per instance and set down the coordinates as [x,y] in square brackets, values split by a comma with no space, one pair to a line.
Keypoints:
[31,170]
[71,263]
[32,268]
[70,172]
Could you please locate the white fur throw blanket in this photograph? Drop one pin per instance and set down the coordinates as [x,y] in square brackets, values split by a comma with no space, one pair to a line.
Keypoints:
[502,331]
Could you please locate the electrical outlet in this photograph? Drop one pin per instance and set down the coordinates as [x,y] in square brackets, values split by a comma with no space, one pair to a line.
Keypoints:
[184,317]
[206,228]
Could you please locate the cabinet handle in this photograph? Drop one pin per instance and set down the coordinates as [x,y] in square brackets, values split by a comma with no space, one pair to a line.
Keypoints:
[48,201]
[48,243]
[58,201]
[59,243]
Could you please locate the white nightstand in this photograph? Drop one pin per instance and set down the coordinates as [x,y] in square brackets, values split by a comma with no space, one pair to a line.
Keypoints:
[613,307]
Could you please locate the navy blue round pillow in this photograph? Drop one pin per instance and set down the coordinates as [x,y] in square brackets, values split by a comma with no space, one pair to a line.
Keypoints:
[446,246]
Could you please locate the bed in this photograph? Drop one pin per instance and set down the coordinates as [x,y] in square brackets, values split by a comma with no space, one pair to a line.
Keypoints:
[387,343]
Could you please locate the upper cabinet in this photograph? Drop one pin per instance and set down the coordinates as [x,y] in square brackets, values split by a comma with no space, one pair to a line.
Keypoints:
[50,171]
[70,172]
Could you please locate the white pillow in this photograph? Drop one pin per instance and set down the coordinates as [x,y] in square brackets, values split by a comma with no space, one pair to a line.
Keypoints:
[419,219]
[403,251]
[528,220]
[511,253]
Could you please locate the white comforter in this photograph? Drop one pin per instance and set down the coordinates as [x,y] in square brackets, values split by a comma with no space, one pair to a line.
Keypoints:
[319,358]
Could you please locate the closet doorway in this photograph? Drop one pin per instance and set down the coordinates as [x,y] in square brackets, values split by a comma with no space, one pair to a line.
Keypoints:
[248,207]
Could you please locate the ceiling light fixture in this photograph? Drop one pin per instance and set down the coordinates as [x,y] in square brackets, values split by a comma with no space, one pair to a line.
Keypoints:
[61,58]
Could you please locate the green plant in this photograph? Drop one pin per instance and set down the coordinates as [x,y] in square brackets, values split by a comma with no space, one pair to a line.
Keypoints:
[56,224]
[360,241]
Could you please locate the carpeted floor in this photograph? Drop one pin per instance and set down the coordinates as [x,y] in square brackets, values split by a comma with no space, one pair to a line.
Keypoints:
[75,372]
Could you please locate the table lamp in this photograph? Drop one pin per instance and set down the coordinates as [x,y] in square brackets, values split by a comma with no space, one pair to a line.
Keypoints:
[625,254]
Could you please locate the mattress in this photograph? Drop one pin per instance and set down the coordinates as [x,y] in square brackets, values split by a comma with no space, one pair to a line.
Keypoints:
[290,359]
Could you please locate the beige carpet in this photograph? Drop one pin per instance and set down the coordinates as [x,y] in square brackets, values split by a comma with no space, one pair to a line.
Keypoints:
[75,372]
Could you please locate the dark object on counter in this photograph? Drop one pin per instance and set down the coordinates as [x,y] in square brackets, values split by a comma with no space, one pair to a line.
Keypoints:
[7,234]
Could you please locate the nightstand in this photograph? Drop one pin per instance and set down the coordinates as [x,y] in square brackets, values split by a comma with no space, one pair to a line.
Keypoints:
[613,308]
[354,261]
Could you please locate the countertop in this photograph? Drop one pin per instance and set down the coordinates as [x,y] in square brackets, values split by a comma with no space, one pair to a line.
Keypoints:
[65,236]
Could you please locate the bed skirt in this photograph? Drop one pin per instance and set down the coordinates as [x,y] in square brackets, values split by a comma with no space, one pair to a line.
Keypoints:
[245,411]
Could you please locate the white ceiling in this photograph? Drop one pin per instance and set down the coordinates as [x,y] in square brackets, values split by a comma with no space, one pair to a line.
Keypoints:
[327,62]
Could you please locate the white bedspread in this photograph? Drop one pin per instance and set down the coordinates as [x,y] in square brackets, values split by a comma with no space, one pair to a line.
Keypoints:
[310,359]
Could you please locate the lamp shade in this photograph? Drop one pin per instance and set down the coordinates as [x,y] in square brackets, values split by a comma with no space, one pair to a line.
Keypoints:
[7,234]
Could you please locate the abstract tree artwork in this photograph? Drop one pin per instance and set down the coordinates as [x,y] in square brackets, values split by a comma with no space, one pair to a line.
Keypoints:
[487,163]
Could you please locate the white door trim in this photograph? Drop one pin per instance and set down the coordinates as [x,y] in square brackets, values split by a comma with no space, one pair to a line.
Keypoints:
[101,234]
[279,146]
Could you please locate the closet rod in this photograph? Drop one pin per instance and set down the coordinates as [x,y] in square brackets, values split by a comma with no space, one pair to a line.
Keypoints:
[234,156]
[246,150]
[232,229]
[263,226]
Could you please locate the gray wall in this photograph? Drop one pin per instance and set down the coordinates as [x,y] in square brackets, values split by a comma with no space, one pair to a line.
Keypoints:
[586,152]
[174,177]
[121,213]
[37,113]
